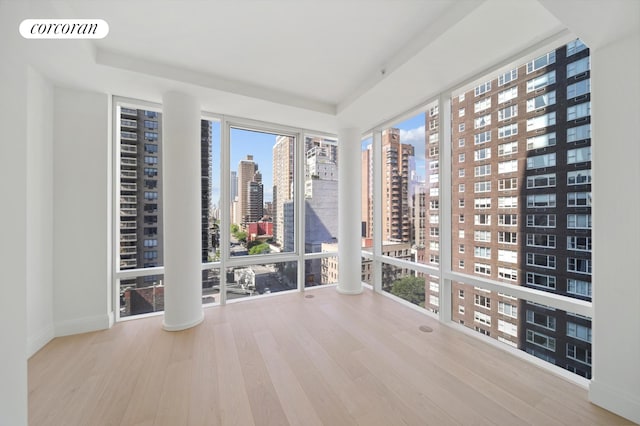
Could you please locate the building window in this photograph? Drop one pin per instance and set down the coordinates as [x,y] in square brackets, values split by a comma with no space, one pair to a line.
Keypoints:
[579,221]
[579,287]
[482,154]
[508,148]
[482,301]
[579,177]
[541,181]
[484,186]
[150,171]
[484,236]
[577,331]
[483,88]
[508,94]
[540,280]
[541,101]
[579,155]
[578,67]
[509,256]
[541,201]
[537,318]
[508,166]
[480,138]
[482,105]
[541,81]
[508,219]
[578,111]
[484,170]
[541,240]
[507,131]
[482,269]
[541,141]
[482,219]
[574,47]
[508,309]
[150,136]
[505,237]
[461,187]
[482,252]
[578,89]
[507,184]
[579,243]
[547,261]
[542,340]
[508,112]
[461,158]
[580,133]
[580,266]
[541,161]
[578,199]
[507,77]
[541,62]
[541,121]
[579,354]
[507,202]
[508,328]
[541,220]
[482,318]
[479,122]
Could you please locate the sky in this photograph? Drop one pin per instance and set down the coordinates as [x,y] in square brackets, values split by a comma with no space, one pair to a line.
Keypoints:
[260,145]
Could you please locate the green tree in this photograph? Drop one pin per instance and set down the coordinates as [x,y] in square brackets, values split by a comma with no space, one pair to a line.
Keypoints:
[241,236]
[259,249]
[234,228]
[410,289]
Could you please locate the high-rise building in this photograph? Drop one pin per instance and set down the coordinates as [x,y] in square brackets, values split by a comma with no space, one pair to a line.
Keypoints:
[206,175]
[521,203]
[234,185]
[366,194]
[395,174]
[141,236]
[283,173]
[247,169]
[255,199]
[141,239]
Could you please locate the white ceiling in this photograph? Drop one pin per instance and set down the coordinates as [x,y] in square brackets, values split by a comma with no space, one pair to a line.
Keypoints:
[318,64]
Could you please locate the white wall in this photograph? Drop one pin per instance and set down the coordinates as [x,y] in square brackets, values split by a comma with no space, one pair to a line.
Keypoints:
[616,227]
[13,224]
[39,215]
[82,211]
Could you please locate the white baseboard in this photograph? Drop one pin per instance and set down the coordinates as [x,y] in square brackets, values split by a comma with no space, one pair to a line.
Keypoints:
[37,342]
[612,399]
[83,325]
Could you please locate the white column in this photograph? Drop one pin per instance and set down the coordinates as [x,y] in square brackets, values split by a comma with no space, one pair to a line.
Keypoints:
[181,209]
[349,233]
[616,233]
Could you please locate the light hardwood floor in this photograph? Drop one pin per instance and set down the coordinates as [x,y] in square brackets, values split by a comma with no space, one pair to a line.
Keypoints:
[287,359]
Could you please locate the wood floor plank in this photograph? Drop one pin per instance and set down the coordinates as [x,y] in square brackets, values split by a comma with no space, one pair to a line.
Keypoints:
[288,359]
